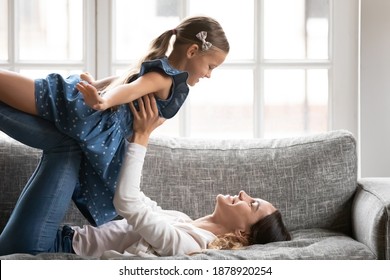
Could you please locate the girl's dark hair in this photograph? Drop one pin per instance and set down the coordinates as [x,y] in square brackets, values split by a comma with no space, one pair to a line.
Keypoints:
[185,33]
[269,229]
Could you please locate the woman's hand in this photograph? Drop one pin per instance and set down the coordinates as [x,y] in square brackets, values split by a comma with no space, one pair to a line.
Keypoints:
[145,120]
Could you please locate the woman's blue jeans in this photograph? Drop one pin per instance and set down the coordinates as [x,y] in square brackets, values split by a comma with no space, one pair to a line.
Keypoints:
[41,207]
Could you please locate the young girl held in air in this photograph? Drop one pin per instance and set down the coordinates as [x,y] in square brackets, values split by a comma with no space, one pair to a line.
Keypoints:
[98,116]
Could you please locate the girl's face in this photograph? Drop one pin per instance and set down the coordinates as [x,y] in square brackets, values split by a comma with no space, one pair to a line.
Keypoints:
[200,65]
[241,211]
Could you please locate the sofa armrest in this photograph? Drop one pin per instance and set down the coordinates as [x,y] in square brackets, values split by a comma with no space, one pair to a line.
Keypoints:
[371,215]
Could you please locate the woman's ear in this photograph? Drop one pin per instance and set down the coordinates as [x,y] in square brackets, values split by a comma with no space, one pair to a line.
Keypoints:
[240,233]
[192,50]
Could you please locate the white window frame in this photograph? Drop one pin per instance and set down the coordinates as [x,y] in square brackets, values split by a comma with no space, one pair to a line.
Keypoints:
[342,64]
[262,64]
[88,62]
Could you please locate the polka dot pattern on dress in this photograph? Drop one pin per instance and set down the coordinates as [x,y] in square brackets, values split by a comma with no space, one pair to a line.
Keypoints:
[100,134]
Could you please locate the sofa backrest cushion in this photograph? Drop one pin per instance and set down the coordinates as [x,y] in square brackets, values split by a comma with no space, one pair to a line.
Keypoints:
[310,179]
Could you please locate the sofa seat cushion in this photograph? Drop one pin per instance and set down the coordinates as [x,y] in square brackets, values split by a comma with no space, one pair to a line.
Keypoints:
[44,256]
[317,244]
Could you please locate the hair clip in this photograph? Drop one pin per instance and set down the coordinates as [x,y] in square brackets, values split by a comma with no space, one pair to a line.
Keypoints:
[202,35]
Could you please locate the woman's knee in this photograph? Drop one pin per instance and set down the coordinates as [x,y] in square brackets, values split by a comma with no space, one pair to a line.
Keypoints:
[34,131]
[17,91]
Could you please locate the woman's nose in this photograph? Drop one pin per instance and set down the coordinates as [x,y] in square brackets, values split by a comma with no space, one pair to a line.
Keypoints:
[242,195]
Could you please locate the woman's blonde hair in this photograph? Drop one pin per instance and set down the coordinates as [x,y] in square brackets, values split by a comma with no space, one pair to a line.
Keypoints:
[186,33]
[229,241]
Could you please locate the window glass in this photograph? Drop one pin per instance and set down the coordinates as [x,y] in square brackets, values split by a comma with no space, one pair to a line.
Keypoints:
[222,106]
[237,20]
[296,29]
[171,127]
[3,30]
[133,32]
[35,73]
[295,102]
[138,23]
[49,30]
[317,100]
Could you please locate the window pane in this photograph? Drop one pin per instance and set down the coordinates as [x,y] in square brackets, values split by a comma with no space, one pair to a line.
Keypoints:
[296,106]
[170,127]
[138,23]
[317,100]
[220,107]
[296,29]
[50,30]
[237,20]
[3,30]
[35,74]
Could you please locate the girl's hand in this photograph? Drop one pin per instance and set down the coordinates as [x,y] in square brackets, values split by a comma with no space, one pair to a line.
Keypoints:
[146,119]
[91,96]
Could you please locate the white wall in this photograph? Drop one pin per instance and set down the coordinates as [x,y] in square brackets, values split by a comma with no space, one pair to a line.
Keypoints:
[375,88]
[345,87]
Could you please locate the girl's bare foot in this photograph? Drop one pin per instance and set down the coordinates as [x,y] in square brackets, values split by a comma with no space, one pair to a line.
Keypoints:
[88,78]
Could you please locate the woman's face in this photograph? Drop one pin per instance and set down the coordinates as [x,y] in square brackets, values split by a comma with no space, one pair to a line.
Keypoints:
[241,211]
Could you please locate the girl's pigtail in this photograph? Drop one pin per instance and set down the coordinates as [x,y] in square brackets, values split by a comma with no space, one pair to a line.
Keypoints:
[159,47]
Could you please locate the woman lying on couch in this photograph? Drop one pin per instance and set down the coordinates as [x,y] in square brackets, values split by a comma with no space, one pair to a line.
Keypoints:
[146,229]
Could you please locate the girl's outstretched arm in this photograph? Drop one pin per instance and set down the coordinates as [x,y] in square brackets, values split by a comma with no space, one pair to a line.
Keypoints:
[152,82]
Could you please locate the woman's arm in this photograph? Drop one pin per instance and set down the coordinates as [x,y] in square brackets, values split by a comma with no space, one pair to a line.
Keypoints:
[129,201]
[146,119]
[148,220]
[152,82]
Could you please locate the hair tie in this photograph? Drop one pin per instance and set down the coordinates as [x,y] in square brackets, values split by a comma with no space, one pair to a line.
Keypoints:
[202,35]
[174,31]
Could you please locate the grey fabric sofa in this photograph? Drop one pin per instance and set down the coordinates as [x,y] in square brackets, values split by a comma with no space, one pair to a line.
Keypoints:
[311,179]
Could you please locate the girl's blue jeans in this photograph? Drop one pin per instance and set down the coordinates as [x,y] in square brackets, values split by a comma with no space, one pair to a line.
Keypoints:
[41,207]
